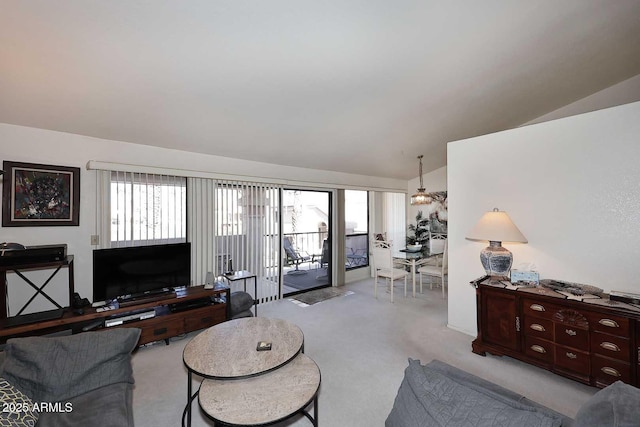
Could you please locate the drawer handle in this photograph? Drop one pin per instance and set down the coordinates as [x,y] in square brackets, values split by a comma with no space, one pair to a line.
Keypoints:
[572,355]
[538,349]
[571,332]
[160,331]
[537,307]
[608,322]
[610,371]
[537,327]
[609,346]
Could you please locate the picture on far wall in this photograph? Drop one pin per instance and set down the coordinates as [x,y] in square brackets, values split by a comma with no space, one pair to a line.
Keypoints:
[40,195]
[436,211]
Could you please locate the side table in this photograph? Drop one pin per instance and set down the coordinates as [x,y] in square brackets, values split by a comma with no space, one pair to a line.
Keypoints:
[263,399]
[244,275]
[227,351]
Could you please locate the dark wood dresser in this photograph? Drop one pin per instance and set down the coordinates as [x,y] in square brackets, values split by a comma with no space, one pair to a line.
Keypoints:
[595,341]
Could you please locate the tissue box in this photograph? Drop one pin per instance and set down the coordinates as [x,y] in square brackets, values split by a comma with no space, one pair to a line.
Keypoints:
[525,276]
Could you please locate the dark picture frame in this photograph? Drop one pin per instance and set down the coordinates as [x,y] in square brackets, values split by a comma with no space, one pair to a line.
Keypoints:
[40,195]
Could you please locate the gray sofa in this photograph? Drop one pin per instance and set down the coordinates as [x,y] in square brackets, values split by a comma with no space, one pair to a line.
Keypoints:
[73,380]
[438,394]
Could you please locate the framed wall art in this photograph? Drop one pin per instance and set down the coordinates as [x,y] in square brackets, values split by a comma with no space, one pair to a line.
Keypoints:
[40,195]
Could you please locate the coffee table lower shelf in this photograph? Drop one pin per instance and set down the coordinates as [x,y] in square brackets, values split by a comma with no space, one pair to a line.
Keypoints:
[263,399]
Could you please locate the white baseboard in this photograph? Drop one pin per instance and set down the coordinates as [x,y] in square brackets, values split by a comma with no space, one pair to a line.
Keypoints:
[464,331]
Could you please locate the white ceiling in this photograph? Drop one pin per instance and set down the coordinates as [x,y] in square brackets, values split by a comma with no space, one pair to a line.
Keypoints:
[344,85]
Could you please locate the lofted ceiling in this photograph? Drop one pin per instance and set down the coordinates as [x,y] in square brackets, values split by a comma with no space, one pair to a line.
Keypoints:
[343,85]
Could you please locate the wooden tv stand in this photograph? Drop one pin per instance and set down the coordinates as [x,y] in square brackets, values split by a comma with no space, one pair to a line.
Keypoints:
[164,325]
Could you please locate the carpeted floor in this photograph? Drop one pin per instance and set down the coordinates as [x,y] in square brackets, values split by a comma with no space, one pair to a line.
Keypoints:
[361,345]
[319,295]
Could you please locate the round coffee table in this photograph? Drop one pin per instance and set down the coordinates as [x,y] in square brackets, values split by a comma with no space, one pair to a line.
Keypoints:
[228,350]
[263,399]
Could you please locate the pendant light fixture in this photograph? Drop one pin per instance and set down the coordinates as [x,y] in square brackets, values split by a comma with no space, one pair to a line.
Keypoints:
[420,198]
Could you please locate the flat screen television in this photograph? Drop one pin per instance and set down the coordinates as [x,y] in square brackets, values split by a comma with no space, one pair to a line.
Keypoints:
[139,270]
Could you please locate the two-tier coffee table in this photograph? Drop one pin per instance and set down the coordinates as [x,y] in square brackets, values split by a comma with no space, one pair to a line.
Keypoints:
[241,382]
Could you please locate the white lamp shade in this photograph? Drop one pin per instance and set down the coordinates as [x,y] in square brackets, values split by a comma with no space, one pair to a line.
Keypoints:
[496,226]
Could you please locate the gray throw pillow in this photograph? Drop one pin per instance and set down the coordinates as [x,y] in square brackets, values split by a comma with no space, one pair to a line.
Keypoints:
[54,369]
[240,301]
[110,406]
[617,405]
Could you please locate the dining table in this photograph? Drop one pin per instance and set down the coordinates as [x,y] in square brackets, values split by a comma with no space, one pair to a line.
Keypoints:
[414,259]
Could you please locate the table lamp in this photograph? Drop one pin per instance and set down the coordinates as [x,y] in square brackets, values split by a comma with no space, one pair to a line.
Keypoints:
[496,227]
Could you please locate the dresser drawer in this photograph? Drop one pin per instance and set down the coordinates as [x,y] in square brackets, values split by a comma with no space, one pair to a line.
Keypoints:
[538,349]
[539,309]
[607,371]
[204,317]
[537,327]
[611,346]
[609,324]
[572,359]
[571,336]
[159,329]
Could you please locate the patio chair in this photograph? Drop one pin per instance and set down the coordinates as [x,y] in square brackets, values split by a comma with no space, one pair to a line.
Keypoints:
[356,258]
[294,256]
[324,257]
[383,266]
[324,260]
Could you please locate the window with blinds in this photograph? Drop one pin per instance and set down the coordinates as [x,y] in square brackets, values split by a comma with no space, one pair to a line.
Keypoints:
[147,209]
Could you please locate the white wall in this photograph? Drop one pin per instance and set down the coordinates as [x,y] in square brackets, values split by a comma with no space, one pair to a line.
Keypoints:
[572,186]
[32,145]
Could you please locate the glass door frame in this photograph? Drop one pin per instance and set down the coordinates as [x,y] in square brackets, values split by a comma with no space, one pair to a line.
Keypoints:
[328,282]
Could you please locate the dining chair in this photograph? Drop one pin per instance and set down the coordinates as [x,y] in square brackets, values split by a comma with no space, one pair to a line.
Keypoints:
[436,270]
[436,242]
[383,266]
[436,248]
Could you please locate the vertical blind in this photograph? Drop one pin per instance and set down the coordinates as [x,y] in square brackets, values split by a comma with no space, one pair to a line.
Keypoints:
[394,219]
[234,224]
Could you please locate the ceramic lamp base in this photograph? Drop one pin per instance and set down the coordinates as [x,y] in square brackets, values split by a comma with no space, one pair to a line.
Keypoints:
[496,260]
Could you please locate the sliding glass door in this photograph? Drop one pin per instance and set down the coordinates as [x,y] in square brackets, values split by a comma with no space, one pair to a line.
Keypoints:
[306,240]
